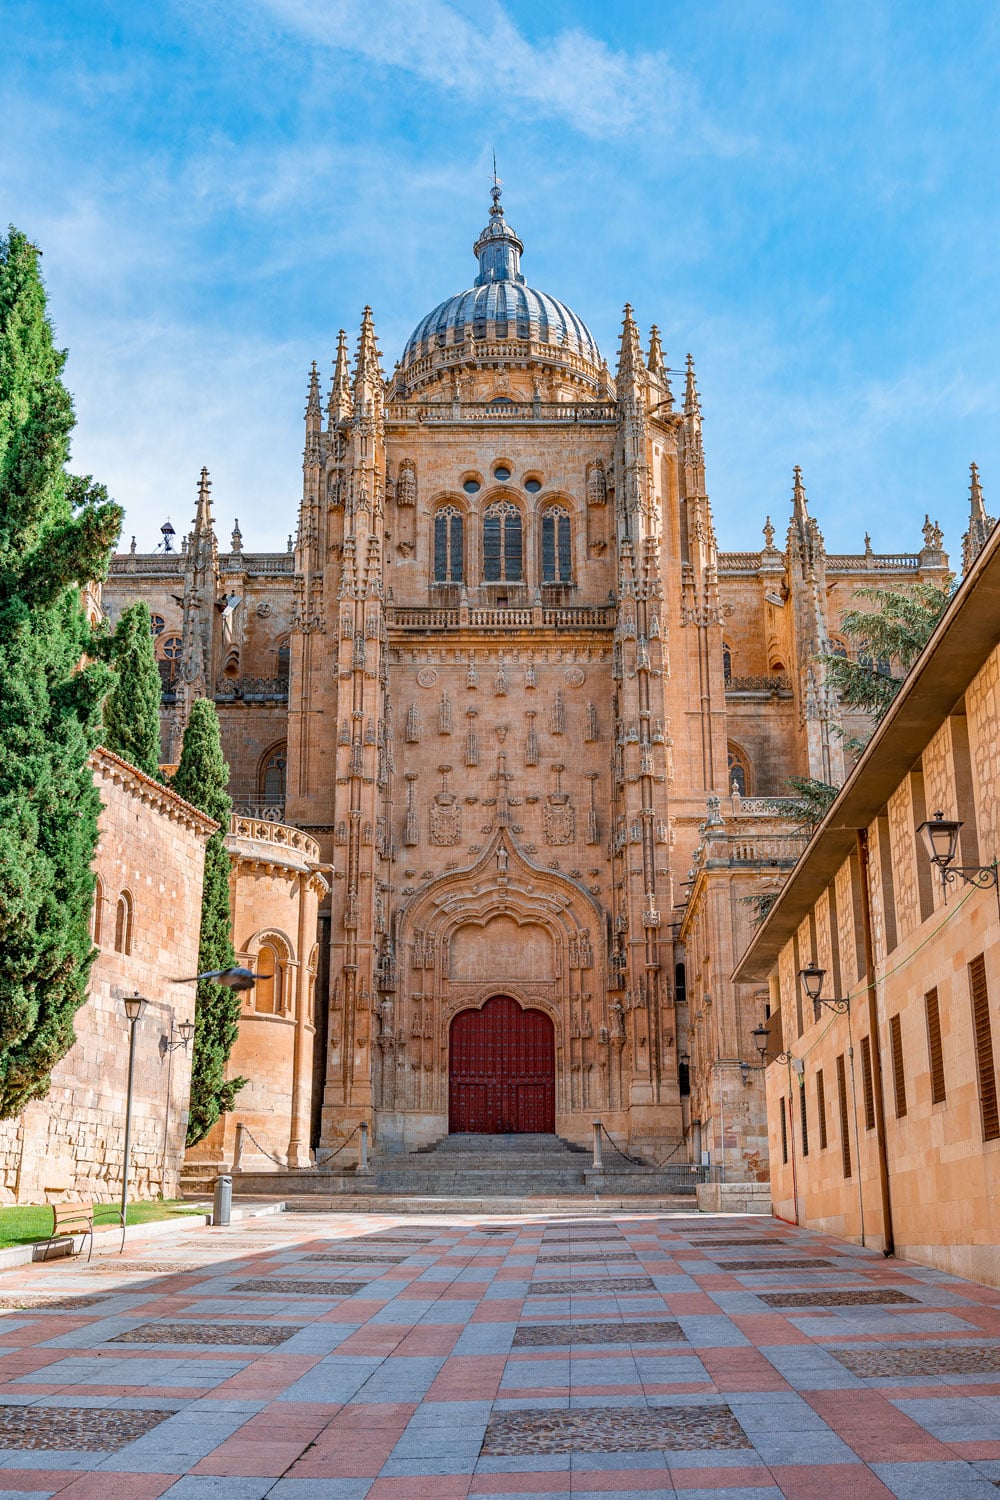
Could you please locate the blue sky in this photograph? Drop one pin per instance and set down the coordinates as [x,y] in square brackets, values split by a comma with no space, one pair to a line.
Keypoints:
[803,196]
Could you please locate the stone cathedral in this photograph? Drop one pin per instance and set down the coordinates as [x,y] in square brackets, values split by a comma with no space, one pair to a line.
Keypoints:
[491,697]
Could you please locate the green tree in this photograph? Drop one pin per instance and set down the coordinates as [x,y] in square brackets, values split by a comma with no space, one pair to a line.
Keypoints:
[56,534]
[894,632]
[202,777]
[132,708]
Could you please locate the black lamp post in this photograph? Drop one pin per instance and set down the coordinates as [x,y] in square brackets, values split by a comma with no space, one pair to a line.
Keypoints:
[940,836]
[134,1007]
[812,982]
[762,1037]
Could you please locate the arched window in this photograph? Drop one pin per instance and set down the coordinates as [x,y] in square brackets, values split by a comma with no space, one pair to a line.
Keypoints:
[284,662]
[557,546]
[739,771]
[272,778]
[837,647]
[157,624]
[123,923]
[448,545]
[502,543]
[171,647]
[270,992]
[97,915]
[727,663]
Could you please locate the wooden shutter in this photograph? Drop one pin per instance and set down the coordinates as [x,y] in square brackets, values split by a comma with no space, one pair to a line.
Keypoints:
[898,1075]
[983,1036]
[803,1117]
[784,1134]
[935,1054]
[821,1108]
[867,1086]
[845,1139]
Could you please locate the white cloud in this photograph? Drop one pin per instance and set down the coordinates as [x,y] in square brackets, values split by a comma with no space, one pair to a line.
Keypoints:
[572,76]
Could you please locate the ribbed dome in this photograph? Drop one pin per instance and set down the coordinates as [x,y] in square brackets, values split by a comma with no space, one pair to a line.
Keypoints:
[500,304]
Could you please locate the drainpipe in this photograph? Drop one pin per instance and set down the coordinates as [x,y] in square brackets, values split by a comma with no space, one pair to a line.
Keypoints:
[876,1047]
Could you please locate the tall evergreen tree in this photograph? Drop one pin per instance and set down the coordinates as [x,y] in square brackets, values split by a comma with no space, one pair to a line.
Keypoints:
[56,533]
[132,708]
[201,777]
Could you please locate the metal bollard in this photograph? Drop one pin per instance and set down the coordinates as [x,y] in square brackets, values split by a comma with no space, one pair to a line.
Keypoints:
[362,1168]
[222,1201]
[598,1148]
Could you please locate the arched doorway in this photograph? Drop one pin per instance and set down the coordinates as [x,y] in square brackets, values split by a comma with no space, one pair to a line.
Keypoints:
[501,1070]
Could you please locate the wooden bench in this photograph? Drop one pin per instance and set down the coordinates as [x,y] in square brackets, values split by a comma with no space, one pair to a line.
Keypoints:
[78,1218]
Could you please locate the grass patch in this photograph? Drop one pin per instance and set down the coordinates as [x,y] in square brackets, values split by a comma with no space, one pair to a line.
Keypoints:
[30,1222]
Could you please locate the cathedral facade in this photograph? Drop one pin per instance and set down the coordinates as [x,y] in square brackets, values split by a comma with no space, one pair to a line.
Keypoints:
[500,680]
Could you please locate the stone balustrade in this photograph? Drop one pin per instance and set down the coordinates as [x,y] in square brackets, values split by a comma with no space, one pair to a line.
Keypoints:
[264,831]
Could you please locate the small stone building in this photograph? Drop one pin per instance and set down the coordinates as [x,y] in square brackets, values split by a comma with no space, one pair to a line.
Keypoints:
[883,1112]
[147,915]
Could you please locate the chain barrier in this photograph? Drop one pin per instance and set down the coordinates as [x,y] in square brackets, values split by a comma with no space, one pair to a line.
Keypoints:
[331,1154]
[635,1160]
[262,1149]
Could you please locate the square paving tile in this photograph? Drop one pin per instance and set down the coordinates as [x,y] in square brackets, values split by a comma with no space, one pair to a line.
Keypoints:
[281,1288]
[93,1430]
[888,1295]
[607,1285]
[560,1335]
[925,1359]
[208,1333]
[613,1429]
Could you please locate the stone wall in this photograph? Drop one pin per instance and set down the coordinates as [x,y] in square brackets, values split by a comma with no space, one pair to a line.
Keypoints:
[70,1144]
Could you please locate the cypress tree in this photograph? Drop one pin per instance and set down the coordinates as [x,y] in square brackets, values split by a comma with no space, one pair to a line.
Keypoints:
[132,708]
[56,533]
[202,777]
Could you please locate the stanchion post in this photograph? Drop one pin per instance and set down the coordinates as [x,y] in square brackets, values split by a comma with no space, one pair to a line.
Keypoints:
[362,1167]
[598,1147]
[238,1148]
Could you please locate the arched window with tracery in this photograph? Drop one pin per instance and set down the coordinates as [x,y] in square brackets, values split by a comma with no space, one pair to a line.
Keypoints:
[727,663]
[739,771]
[271,780]
[448,540]
[284,662]
[838,647]
[557,545]
[502,557]
[123,923]
[171,647]
[271,997]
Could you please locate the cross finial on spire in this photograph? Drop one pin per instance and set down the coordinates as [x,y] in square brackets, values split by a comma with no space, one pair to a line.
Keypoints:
[496,189]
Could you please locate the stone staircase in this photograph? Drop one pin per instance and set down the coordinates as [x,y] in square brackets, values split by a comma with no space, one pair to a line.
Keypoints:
[468,1171]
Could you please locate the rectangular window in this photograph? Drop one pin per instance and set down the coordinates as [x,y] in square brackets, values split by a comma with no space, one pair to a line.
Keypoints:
[845,1139]
[784,1134]
[803,1117]
[935,1054]
[491,549]
[565,559]
[512,548]
[821,1108]
[455,571]
[548,549]
[867,1085]
[898,1075]
[983,1036]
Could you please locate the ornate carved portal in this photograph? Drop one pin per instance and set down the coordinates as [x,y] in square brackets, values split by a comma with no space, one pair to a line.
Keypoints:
[501,1070]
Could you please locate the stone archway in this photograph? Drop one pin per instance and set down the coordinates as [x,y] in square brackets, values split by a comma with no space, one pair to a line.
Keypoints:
[501,1070]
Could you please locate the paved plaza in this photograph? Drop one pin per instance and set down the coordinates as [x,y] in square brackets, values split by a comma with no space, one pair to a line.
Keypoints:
[342,1356]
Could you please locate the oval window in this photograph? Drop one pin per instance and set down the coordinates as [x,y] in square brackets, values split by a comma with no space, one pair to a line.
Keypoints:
[471,486]
[532,486]
[501,472]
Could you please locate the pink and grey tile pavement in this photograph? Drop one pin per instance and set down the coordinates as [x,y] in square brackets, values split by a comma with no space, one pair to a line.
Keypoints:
[366,1357]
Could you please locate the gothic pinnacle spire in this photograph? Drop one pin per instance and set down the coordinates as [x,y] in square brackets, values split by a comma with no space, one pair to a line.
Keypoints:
[630,364]
[692,401]
[367,368]
[203,513]
[980,524]
[313,408]
[800,504]
[654,360]
[339,405]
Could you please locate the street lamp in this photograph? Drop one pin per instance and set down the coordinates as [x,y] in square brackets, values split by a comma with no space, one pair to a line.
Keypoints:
[134,1006]
[940,836]
[762,1037]
[812,982]
[181,1033]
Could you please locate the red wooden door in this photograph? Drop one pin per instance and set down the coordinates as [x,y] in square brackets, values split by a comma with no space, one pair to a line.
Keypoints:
[501,1074]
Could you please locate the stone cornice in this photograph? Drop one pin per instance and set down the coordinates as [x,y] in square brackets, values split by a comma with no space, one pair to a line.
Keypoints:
[107,766]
